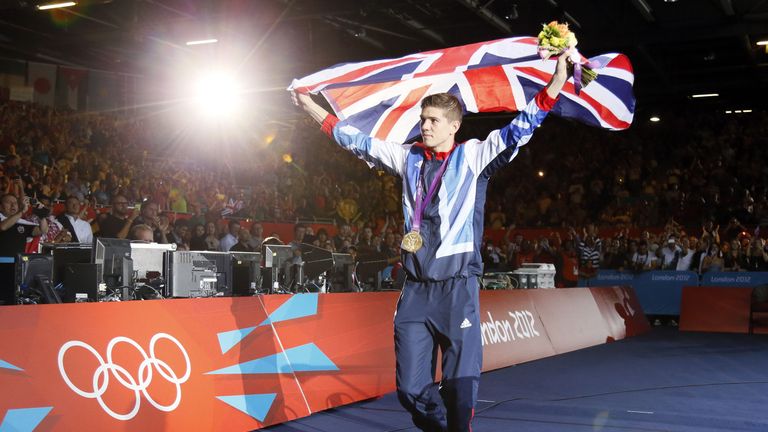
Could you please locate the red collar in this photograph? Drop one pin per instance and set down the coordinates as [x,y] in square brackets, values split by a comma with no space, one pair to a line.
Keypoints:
[429,154]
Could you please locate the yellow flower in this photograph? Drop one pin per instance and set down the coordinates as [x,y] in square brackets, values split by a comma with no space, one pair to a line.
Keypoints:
[557,42]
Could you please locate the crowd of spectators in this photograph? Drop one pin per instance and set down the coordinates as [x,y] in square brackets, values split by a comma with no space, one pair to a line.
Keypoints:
[688,168]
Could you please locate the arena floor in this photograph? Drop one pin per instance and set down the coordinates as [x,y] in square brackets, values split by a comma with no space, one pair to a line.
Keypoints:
[665,380]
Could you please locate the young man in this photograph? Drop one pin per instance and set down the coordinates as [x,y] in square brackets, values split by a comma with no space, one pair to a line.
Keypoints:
[444,185]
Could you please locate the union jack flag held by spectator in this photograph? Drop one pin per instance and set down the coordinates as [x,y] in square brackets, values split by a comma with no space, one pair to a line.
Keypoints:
[381,97]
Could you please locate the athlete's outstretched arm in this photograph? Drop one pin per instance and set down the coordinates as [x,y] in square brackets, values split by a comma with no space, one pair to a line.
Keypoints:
[501,145]
[305,102]
[559,77]
[385,155]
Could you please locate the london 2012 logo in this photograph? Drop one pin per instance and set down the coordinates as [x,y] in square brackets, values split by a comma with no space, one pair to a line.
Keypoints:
[148,369]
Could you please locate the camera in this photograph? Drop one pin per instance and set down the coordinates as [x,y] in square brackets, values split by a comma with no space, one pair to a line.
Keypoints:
[41,212]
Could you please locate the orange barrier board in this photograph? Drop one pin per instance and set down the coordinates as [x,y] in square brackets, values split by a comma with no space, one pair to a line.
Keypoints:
[244,363]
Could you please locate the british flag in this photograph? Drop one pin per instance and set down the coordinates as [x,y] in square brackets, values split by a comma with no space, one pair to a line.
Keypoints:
[381,97]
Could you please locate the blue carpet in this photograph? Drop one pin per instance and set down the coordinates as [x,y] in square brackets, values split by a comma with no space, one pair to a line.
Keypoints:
[662,381]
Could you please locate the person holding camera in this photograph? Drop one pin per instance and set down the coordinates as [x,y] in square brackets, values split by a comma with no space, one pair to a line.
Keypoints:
[14,229]
[643,259]
[670,254]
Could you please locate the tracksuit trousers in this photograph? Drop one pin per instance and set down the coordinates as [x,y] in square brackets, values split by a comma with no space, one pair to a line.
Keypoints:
[444,315]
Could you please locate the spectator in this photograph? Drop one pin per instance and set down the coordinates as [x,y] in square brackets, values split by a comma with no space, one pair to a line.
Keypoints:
[670,254]
[713,262]
[243,242]
[614,255]
[14,229]
[256,237]
[686,255]
[567,266]
[589,250]
[211,237]
[117,223]
[149,216]
[643,259]
[142,232]
[72,221]
[231,238]
[179,234]
[493,258]
[197,242]
[756,257]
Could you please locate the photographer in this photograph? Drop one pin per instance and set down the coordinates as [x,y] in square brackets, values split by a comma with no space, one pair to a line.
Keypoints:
[14,231]
[643,259]
[670,254]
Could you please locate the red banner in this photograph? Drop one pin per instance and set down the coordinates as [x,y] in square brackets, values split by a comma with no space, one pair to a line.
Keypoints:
[243,363]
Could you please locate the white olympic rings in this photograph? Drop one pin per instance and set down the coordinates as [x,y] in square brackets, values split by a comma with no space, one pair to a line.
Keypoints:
[145,372]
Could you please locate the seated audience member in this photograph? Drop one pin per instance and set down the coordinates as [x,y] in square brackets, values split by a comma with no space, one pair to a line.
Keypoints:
[344,235]
[178,234]
[142,232]
[197,242]
[231,238]
[211,237]
[149,216]
[117,223]
[257,236]
[243,242]
[72,221]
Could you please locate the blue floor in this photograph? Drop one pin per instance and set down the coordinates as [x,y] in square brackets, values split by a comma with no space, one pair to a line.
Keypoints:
[662,381]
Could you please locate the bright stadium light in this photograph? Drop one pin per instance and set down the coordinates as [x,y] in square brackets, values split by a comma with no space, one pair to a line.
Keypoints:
[217,95]
[55,5]
[202,42]
[655,119]
[705,95]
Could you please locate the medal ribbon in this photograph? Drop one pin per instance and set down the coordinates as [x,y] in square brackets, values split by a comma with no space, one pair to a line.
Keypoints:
[421,202]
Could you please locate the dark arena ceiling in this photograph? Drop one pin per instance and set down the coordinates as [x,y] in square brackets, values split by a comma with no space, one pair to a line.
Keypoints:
[678,48]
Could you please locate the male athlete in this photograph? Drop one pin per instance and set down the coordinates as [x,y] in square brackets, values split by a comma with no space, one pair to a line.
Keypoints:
[444,185]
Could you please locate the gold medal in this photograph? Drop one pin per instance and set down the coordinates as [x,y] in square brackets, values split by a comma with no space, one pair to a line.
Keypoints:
[412,241]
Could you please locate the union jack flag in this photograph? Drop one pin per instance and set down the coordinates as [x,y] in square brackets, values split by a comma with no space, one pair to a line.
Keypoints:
[381,97]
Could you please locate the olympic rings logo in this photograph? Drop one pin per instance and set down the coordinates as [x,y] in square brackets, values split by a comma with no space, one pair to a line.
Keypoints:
[101,376]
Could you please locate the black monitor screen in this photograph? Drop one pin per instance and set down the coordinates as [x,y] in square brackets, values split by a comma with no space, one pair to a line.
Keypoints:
[68,255]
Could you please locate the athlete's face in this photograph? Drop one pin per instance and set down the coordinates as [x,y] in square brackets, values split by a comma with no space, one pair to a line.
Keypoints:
[436,130]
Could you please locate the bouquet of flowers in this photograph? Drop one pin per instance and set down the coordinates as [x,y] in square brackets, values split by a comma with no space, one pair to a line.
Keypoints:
[554,39]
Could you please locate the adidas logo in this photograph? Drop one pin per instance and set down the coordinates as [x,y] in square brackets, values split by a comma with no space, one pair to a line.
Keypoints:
[466,324]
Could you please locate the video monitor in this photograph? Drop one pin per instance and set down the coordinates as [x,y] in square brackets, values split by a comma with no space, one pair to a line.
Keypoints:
[114,266]
[149,259]
[62,256]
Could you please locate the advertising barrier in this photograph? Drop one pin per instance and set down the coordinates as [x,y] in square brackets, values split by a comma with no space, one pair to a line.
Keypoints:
[734,279]
[660,292]
[239,364]
[716,309]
